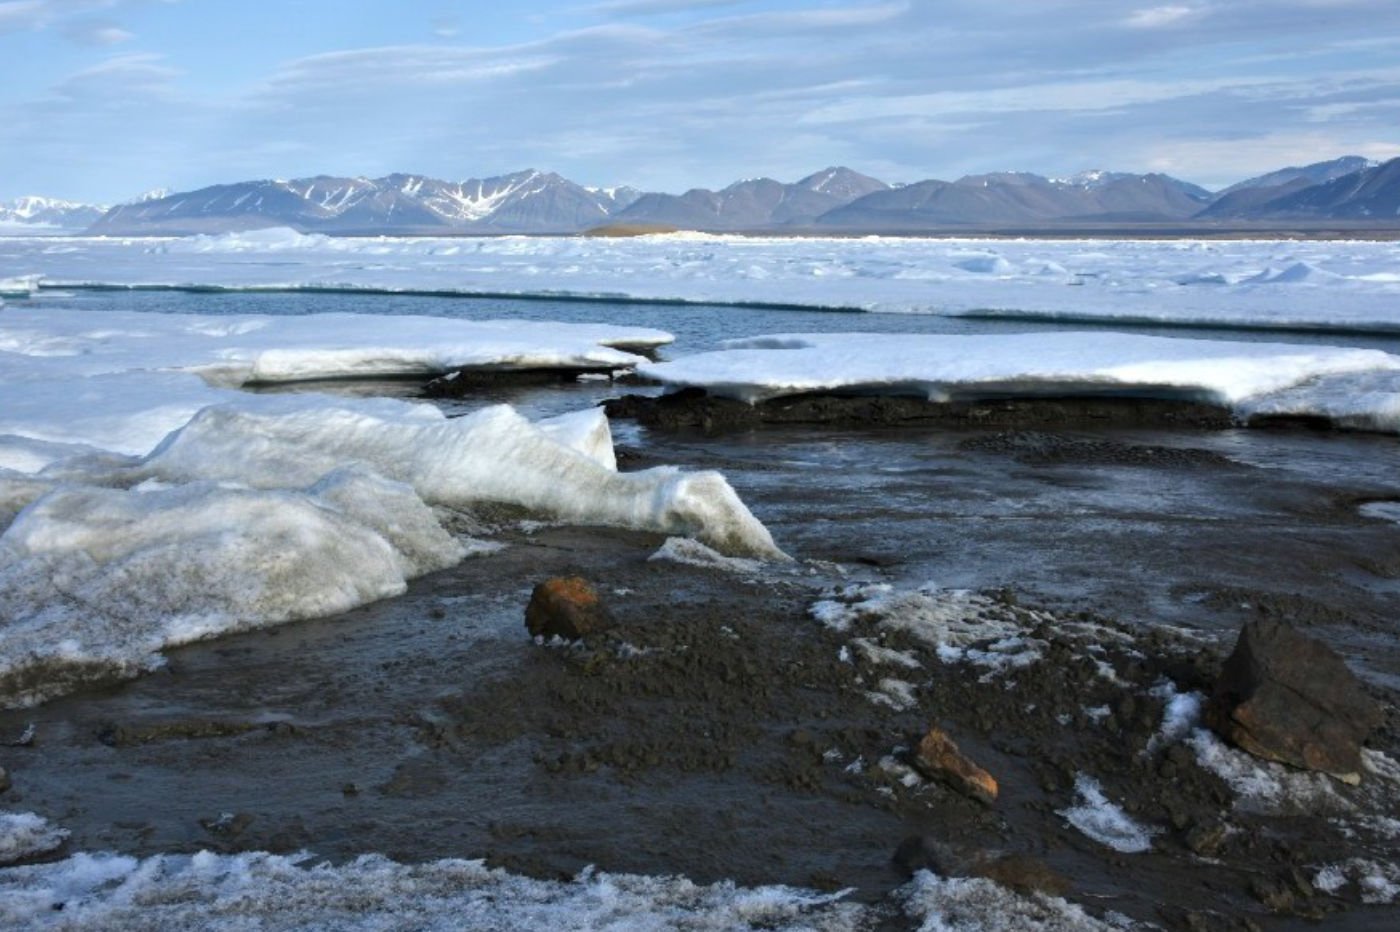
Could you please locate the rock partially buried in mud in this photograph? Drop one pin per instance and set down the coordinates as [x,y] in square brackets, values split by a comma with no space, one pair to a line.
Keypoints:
[566,607]
[1287,698]
[938,757]
[1019,872]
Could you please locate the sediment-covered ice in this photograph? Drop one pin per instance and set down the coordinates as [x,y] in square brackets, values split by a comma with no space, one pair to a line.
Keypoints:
[1259,283]
[1358,387]
[95,582]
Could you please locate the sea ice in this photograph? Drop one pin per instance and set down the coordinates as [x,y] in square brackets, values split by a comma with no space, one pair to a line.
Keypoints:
[1357,387]
[1266,284]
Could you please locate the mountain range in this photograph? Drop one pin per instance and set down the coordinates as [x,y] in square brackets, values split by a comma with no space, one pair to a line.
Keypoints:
[1350,190]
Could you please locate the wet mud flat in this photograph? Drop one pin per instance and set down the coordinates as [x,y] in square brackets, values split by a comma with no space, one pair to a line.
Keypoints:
[721,731]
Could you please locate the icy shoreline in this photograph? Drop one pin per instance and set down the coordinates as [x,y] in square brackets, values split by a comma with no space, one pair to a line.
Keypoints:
[145,502]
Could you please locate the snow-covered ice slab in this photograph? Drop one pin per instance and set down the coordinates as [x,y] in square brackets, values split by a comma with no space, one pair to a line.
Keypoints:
[245,349]
[1250,377]
[1346,286]
[254,516]
[146,503]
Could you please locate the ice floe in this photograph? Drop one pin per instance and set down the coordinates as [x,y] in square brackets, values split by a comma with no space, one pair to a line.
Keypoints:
[1356,387]
[234,350]
[1348,286]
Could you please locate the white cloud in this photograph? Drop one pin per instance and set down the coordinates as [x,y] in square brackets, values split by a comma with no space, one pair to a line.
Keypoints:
[1158,16]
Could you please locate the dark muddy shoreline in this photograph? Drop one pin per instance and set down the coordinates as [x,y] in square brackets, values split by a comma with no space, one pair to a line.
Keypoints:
[716,730]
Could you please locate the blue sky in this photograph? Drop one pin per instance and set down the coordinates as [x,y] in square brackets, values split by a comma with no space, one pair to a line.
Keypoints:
[103,99]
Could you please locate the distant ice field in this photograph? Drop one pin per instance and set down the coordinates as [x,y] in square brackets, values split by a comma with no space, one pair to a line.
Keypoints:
[1333,287]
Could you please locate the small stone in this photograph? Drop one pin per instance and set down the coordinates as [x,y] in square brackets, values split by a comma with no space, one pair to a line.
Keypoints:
[1287,698]
[1205,838]
[938,757]
[228,824]
[566,607]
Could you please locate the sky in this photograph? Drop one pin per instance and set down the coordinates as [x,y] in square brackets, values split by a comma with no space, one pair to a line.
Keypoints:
[101,100]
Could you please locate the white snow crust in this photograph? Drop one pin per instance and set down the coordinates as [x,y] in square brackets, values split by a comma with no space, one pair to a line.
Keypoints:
[261,891]
[1249,377]
[962,626]
[264,891]
[1105,822]
[24,834]
[1349,286]
[964,904]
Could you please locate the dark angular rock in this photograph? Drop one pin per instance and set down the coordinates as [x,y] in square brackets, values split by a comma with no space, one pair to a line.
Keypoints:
[566,607]
[1285,697]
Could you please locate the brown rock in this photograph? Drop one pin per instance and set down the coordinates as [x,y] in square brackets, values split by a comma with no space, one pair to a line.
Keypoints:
[566,607]
[1024,874]
[938,757]
[1287,698]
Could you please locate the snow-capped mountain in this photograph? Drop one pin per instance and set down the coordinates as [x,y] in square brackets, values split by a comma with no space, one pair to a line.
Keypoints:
[1254,197]
[528,201]
[1370,195]
[1012,199]
[754,204]
[834,199]
[47,214]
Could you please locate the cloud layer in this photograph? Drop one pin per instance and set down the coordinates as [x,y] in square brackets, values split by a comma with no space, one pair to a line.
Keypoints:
[116,96]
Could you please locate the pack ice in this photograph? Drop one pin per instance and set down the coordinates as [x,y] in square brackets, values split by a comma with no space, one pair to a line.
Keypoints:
[1351,286]
[145,503]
